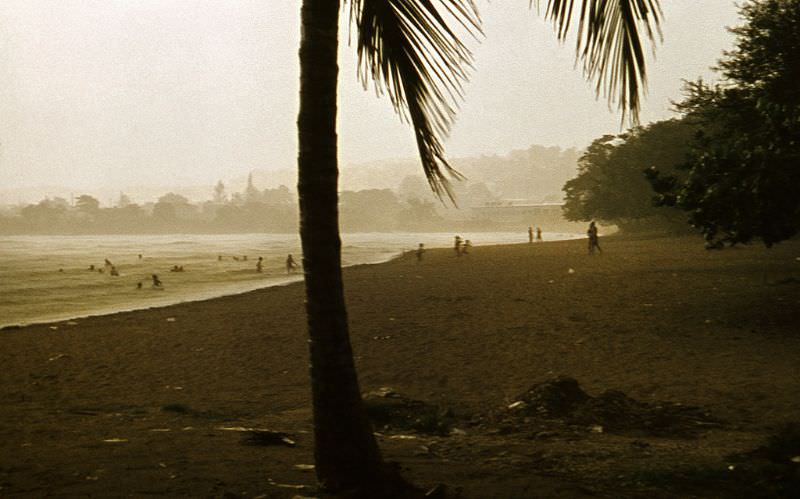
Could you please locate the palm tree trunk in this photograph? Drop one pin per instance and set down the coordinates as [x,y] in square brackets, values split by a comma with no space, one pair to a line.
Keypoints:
[345,450]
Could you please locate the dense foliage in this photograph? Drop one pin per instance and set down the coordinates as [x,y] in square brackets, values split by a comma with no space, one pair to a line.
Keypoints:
[743,169]
[610,185]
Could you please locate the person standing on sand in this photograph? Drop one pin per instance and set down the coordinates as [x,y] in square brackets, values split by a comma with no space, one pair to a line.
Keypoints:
[259,264]
[467,247]
[538,234]
[420,251]
[457,245]
[530,234]
[594,239]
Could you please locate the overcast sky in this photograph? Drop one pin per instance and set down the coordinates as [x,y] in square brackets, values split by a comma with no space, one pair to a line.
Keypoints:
[165,92]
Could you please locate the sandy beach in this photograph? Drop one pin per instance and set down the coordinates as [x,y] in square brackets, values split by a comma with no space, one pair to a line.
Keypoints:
[141,403]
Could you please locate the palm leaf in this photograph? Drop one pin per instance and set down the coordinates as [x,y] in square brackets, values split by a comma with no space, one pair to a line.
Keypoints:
[610,46]
[409,50]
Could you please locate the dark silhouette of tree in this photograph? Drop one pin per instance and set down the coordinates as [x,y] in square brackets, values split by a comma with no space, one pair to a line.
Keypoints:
[611,185]
[410,49]
[742,174]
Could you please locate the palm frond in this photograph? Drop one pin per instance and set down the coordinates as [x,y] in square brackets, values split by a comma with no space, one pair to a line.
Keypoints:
[610,46]
[409,50]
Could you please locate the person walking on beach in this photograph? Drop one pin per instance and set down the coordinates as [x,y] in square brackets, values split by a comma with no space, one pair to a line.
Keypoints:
[290,264]
[594,240]
[259,264]
[420,251]
[457,245]
[538,234]
[530,234]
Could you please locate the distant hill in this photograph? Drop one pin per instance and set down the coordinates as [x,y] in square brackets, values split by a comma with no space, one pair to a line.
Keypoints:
[535,174]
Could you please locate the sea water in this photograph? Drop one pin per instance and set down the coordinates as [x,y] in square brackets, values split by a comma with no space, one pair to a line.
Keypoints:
[47,278]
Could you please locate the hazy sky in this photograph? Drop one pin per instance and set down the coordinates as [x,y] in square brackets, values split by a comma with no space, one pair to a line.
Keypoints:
[166,92]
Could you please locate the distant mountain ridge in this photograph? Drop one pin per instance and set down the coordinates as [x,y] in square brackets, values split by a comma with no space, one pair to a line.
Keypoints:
[537,173]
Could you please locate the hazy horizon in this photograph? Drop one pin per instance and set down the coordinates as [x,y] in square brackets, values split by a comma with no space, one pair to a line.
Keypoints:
[110,95]
[376,174]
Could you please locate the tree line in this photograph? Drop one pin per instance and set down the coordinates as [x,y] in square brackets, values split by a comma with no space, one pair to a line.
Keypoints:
[270,210]
[727,165]
[252,211]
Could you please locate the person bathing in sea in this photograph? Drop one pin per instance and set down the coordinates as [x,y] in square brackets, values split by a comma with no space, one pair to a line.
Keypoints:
[291,265]
[157,282]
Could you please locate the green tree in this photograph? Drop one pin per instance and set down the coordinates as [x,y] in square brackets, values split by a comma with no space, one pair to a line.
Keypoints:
[741,175]
[410,49]
[611,185]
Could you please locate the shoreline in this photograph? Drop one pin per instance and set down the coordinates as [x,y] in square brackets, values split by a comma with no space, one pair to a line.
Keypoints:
[223,290]
[133,402]
[103,312]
